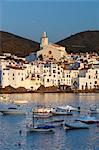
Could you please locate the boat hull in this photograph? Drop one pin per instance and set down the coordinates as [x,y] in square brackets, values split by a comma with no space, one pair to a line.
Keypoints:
[7,112]
[62,113]
[89,121]
[31,129]
[94,111]
[40,116]
[75,126]
[42,110]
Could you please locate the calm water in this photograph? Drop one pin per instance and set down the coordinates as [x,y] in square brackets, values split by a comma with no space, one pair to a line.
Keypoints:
[60,140]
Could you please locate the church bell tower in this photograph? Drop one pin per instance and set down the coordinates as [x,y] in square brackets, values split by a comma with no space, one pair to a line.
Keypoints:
[43,40]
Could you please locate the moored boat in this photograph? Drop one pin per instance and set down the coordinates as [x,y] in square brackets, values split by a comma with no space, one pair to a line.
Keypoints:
[94,110]
[59,111]
[75,125]
[41,116]
[12,111]
[40,127]
[42,110]
[88,119]
[69,108]
[44,128]
[58,122]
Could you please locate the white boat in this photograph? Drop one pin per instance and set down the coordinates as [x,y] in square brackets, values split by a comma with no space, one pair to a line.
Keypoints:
[20,101]
[75,125]
[59,111]
[12,111]
[42,110]
[46,115]
[44,128]
[39,128]
[88,119]
[3,99]
[94,110]
[69,108]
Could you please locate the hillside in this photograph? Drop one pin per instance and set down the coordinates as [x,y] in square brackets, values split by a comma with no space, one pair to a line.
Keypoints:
[10,43]
[82,42]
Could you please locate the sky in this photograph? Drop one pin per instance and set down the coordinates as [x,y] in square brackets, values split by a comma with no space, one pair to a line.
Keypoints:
[59,18]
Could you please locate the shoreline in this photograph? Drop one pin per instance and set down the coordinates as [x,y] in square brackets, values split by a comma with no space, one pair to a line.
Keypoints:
[42,89]
[43,92]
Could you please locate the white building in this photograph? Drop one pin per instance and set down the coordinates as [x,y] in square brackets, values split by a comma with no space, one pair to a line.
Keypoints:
[50,50]
[88,79]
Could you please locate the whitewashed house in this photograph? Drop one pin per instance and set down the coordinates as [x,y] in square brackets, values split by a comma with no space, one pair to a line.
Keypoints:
[87,79]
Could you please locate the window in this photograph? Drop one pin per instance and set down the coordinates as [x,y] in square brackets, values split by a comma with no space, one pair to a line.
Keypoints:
[13,74]
[38,76]
[3,73]
[47,80]
[21,79]
[54,71]
[96,72]
[89,76]
[95,82]
[50,52]
[54,76]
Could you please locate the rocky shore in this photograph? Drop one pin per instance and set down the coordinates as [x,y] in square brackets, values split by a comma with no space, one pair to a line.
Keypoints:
[42,89]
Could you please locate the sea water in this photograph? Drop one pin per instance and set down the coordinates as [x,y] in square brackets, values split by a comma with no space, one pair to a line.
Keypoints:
[10,125]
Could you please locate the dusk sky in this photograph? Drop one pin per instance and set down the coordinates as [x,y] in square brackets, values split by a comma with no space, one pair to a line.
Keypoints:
[60,19]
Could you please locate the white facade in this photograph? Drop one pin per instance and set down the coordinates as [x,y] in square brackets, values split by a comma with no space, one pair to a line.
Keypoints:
[50,50]
[88,79]
[17,72]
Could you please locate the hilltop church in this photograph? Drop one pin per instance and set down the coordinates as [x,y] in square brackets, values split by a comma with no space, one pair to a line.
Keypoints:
[49,50]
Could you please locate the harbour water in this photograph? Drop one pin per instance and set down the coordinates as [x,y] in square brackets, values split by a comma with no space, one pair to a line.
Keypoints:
[10,126]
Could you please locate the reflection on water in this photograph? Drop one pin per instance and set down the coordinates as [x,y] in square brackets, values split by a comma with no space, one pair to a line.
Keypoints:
[54,99]
[11,139]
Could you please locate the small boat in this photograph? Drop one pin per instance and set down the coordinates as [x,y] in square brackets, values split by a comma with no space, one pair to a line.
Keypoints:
[41,116]
[42,110]
[75,125]
[69,108]
[45,128]
[3,99]
[20,101]
[12,111]
[55,122]
[88,119]
[40,128]
[94,110]
[59,111]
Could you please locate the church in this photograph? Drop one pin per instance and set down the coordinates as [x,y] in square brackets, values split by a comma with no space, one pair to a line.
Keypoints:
[49,50]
